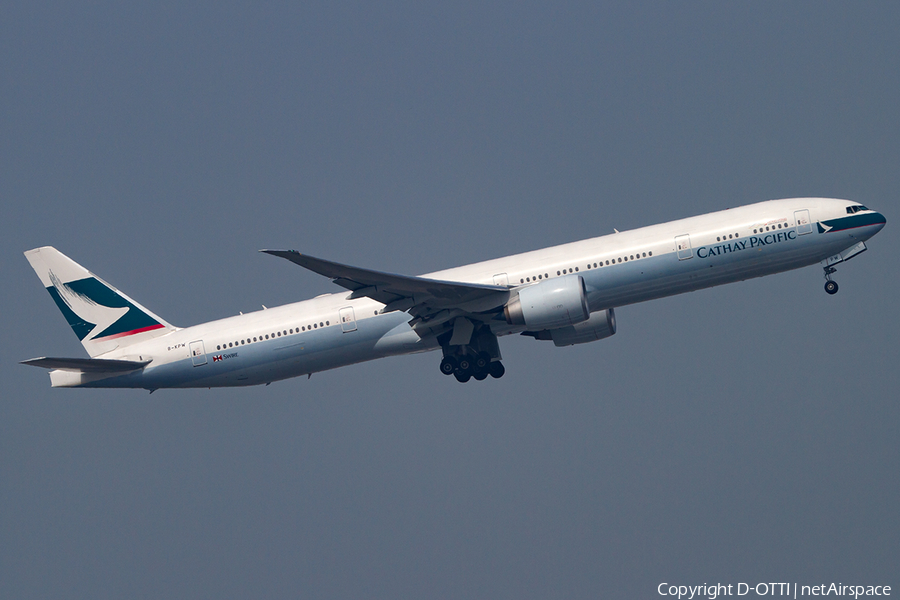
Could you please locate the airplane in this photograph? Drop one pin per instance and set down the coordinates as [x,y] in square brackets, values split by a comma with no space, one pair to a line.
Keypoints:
[566,294]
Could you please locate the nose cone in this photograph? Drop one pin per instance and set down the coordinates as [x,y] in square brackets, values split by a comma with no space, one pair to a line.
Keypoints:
[879,221]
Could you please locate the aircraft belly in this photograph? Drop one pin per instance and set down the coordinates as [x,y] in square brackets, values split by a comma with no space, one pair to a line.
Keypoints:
[292,356]
[661,276]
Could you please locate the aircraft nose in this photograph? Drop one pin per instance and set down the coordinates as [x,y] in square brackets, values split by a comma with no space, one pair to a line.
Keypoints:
[880,221]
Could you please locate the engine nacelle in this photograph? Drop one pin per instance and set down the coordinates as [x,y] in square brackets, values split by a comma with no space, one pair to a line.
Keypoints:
[601,325]
[550,304]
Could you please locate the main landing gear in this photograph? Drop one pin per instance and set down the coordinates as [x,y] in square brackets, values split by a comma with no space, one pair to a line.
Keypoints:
[831,286]
[477,359]
[466,366]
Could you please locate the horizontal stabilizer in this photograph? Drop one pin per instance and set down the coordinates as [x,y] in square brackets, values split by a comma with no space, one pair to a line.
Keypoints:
[87,365]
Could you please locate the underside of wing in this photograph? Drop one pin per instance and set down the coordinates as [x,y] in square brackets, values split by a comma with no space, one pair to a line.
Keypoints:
[418,295]
[86,365]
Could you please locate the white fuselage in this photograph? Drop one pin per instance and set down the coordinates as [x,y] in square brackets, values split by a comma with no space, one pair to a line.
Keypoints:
[619,269]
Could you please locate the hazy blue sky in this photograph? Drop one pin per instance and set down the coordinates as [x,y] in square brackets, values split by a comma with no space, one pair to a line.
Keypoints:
[745,433]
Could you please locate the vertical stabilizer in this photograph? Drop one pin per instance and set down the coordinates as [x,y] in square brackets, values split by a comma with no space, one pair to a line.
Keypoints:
[101,316]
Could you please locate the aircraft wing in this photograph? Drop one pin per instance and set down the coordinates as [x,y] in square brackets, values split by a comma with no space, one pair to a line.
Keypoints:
[419,295]
[87,365]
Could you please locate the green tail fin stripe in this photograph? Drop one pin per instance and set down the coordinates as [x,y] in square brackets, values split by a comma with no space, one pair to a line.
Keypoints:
[96,292]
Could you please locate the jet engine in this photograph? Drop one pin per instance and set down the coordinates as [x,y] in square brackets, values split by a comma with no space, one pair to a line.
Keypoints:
[550,304]
[601,325]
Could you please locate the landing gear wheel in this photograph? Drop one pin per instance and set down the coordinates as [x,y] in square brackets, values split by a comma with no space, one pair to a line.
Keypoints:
[462,376]
[480,375]
[464,364]
[831,287]
[482,360]
[497,370]
[448,365]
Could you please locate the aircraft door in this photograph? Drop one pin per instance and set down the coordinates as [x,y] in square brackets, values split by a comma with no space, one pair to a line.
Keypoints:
[348,319]
[501,279]
[198,355]
[683,247]
[804,225]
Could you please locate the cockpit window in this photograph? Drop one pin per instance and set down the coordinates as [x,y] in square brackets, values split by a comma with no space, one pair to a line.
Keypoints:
[856,209]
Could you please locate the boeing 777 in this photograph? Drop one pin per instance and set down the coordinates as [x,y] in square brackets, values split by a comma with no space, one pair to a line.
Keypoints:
[567,294]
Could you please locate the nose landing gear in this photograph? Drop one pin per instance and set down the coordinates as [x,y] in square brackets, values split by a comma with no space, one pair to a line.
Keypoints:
[831,286]
[828,264]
